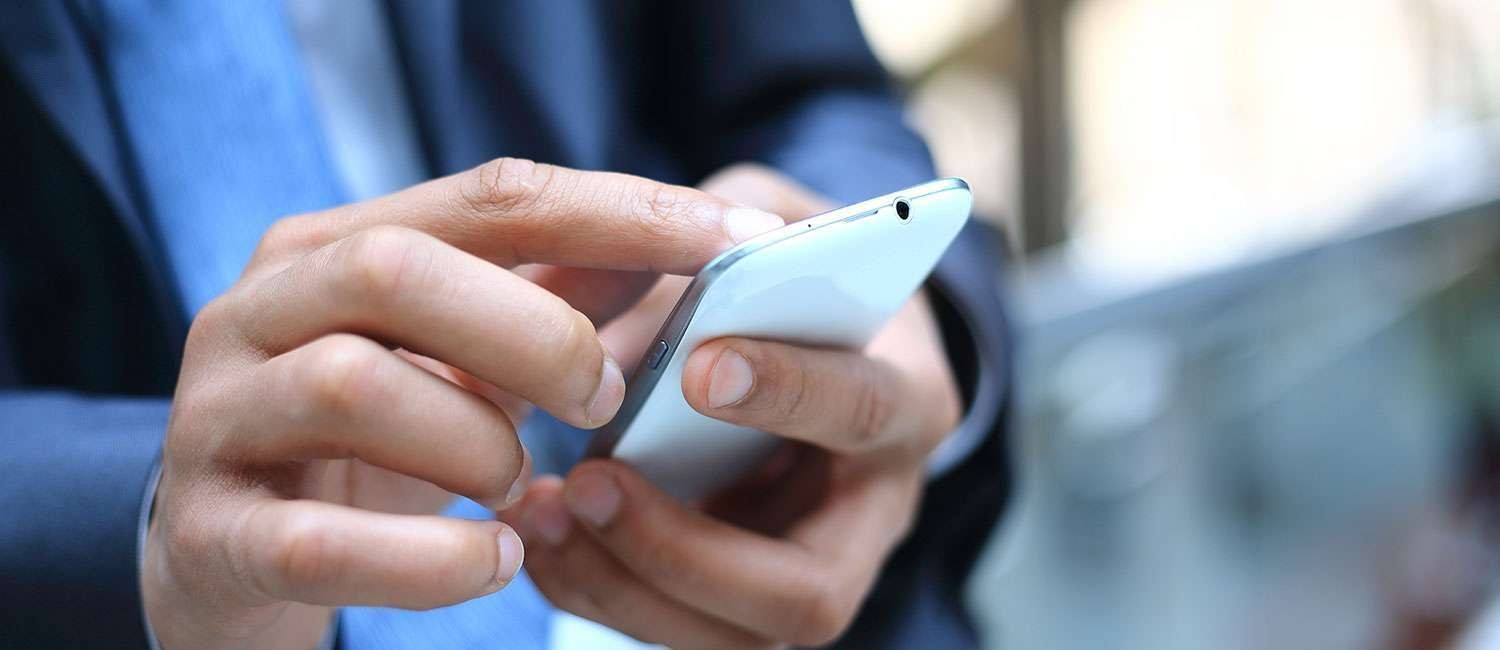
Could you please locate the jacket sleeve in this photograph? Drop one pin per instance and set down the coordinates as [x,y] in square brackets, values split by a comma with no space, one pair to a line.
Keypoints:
[794,85]
[73,480]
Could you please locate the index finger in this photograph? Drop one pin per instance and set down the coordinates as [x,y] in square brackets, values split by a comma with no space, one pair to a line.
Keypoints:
[512,211]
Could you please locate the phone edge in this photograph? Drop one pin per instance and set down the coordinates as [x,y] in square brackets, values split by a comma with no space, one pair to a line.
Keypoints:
[604,440]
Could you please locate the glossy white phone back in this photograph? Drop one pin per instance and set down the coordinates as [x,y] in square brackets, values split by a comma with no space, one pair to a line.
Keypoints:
[835,283]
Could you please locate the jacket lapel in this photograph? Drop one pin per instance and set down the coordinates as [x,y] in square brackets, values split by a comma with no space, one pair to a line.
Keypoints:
[50,55]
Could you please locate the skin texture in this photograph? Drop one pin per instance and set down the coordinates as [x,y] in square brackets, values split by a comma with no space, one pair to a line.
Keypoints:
[372,361]
[375,359]
[787,555]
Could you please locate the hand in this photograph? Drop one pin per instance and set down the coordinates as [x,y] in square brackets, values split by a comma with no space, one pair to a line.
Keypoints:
[788,554]
[305,456]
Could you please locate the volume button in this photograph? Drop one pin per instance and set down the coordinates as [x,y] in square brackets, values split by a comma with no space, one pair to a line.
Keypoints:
[658,352]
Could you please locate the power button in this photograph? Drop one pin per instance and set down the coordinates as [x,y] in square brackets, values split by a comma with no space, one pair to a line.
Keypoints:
[658,352]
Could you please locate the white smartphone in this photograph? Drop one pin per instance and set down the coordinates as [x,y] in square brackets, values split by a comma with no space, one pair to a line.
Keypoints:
[829,280]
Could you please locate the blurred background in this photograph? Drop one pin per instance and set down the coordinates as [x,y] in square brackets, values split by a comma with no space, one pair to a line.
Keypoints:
[1257,294]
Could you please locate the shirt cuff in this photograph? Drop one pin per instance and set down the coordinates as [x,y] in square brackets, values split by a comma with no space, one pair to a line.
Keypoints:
[143,525]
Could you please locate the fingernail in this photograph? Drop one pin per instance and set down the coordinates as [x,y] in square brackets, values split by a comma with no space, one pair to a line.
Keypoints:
[548,519]
[608,396]
[523,481]
[731,379]
[512,554]
[742,223]
[594,498]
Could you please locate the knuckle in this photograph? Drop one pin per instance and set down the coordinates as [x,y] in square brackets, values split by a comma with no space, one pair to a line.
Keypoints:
[340,374]
[507,185]
[214,318]
[189,442]
[304,553]
[580,340]
[216,313]
[872,409]
[576,360]
[187,536]
[820,614]
[288,235]
[500,464]
[665,204]
[792,384]
[219,329]
[197,543]
[382,262]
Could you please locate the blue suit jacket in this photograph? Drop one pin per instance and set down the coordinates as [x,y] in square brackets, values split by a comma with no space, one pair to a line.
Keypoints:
[93,327]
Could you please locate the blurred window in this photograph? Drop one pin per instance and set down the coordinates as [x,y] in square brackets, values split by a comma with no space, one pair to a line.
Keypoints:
[1199,131]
